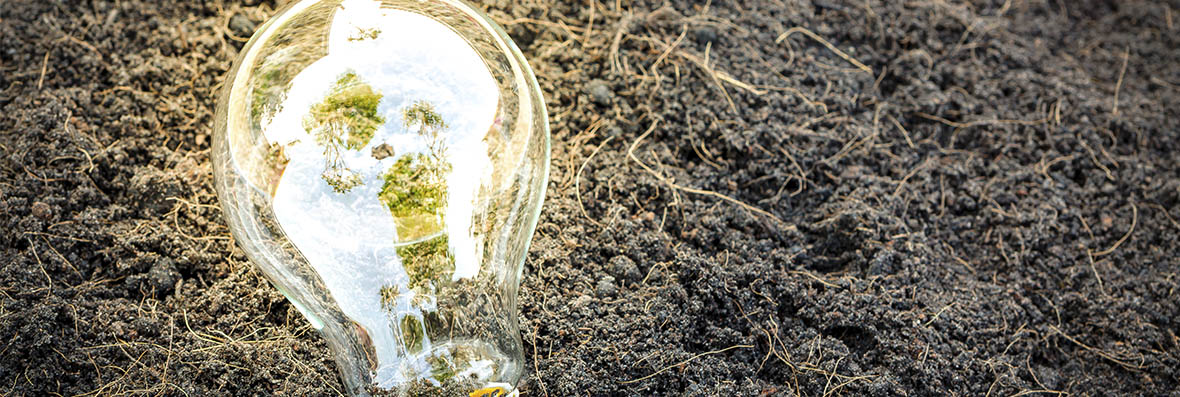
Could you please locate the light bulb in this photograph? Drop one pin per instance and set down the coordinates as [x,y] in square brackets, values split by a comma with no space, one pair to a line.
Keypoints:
[383,163]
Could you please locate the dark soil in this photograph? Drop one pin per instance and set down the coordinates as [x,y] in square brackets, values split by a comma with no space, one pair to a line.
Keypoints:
[988,207]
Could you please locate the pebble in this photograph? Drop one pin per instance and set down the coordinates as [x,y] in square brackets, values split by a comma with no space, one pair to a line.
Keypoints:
[704,35]
[580,302]
[42,210]
[163,275]
[882,263]
[241,25]
[614,131]
[600,93]
[606,286]
[624,268]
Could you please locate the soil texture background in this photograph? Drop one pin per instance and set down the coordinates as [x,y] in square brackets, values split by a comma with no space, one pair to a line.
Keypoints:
[754,198]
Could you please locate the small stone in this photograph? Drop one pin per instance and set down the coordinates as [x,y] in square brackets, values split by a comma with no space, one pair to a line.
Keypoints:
[163,276]
[606,286]
[42,210]
[523,35]
[241,25]
[1005,198]
[382,151]
[882,263]
[624,268]
[965,203]
[704,35]
[600,93]
[614,131]
[580,302]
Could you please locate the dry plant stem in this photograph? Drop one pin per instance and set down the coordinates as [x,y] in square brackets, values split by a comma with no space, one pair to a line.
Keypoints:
[816,37]
[664,55]
[1101,353]
[1134,221]
[904,132]
[560,26]
[704,65]
[1042,391]
[44,69]
[718,76]
[981,122]
[1119,85]
[578,179]
[590,25]
[615,64]
[536,366]
[911,174]
[814,277]
[1168,17]
[631,153]
[1090,254]
[936,315]
[576,143]
[1094,158]
[1166,214]
[686,362]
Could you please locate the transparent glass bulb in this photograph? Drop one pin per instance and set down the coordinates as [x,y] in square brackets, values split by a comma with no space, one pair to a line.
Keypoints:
[383,163]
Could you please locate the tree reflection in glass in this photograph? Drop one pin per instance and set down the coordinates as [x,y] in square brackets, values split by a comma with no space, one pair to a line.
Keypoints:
[383,163]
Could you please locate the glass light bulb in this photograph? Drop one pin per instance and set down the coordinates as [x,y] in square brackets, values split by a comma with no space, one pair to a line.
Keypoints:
[383,163]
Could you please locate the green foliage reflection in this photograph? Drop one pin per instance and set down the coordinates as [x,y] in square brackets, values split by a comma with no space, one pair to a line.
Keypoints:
[346,119]
[415,186]
[426,261]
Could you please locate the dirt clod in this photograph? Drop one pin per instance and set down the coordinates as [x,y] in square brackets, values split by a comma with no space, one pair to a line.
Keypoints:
[163,276]
[600,93]
[624,268]
[606,287]
[42,210]
[241,25]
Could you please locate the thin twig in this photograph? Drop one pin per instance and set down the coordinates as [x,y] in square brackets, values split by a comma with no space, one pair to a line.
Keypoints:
[536,367]
[981,122]
[578,179]
[1101,353]
[1134,221]
[905,133]
[1119,85]
[631,154]
[44,68]
[816,37]
[685,362]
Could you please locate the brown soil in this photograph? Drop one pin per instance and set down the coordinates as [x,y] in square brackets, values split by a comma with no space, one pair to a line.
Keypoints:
[899,198]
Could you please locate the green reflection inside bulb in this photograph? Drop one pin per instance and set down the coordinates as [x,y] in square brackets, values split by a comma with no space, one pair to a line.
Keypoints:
[383,163]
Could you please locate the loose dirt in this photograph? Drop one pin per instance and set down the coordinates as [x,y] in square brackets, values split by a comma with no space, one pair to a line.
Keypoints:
[757,198]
